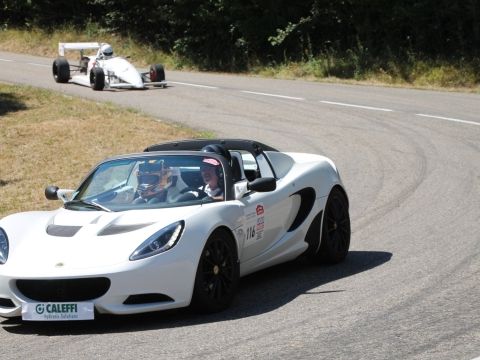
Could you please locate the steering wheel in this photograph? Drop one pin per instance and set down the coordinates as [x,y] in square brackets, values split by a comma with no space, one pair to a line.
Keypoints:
[191,189]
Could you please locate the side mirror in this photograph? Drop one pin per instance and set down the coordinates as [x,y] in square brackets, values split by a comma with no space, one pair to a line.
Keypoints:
[51,192]
[54,193]
[263,184]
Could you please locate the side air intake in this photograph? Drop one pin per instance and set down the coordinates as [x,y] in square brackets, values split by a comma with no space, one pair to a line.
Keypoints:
[307,196]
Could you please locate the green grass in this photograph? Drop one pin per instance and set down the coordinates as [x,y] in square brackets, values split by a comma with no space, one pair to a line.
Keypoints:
[421,73]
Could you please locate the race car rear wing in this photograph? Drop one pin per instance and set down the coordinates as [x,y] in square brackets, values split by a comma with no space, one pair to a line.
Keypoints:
[77,46]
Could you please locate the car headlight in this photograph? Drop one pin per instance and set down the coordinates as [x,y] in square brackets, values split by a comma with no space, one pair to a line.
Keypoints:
[159,242]
[3,246]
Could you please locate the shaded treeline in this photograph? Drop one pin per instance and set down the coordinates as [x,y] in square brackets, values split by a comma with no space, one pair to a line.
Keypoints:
[234,34]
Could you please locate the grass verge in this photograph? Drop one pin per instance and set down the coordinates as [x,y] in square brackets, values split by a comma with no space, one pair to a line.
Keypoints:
[52,139]
[426,74]
[41,43]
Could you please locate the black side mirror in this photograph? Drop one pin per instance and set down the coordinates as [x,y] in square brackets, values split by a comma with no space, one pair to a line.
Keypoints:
[51,192]
[263,184]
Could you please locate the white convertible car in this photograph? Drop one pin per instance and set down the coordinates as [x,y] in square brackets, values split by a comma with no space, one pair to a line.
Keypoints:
[175,225]
[103,69]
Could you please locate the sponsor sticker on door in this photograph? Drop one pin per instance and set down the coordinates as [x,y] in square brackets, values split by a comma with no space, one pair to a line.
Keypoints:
[254,224]
[62,311]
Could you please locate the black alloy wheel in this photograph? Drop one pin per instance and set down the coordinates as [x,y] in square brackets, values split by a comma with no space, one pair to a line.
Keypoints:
[335,238]
[217,275]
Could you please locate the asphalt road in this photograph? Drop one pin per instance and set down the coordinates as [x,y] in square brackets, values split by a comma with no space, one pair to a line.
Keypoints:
[409,288]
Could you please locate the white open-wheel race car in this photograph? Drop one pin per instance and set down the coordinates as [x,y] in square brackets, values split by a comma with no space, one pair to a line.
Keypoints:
[175,225]
[103,70]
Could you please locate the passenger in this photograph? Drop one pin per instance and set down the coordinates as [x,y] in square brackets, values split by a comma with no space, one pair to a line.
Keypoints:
[210,171]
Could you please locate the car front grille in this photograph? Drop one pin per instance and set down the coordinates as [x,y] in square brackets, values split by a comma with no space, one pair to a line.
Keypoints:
[64,290]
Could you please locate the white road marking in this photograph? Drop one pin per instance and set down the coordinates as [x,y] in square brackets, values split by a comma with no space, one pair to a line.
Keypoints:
[301,99]
[42,65]
[272,95]
[355,106]
[194,85]
[450,119]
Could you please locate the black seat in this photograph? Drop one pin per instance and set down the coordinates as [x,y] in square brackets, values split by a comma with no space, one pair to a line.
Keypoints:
[237,166]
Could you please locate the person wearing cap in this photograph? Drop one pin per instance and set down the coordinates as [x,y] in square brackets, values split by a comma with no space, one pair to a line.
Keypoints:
[210,170]
[212,177]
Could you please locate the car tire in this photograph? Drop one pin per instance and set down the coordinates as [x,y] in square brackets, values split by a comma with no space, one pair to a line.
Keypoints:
[157,73]
[217,276]
[335,229]
[61,70]
[97,78]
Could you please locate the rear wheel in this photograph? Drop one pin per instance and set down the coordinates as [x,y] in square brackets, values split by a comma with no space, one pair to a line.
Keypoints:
[61,70]
[97,78]
[335,232]
[217,275]
[157,73]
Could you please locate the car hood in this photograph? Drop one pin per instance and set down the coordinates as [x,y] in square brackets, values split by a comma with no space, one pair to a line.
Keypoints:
[70,242]
[123,70]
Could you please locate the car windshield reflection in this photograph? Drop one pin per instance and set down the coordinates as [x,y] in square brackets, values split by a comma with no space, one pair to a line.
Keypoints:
[151,182]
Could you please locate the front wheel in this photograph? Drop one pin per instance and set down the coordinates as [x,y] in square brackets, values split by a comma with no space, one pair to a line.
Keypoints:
[157,73]
[97,78]
[217,275]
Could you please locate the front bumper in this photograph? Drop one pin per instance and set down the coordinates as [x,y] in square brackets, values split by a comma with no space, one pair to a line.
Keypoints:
[157,283]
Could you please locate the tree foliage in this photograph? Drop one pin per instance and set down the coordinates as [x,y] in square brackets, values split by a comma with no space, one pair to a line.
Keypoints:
[234,34]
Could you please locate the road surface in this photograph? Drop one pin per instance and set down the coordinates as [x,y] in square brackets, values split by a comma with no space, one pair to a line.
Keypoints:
[409,288]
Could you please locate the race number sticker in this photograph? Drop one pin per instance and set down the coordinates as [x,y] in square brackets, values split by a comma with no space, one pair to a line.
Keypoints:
[254,223]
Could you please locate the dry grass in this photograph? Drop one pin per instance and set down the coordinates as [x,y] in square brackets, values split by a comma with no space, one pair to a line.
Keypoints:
[52,139]
[41,43]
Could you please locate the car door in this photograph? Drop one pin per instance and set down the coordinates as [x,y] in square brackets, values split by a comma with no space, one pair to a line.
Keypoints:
[267,215]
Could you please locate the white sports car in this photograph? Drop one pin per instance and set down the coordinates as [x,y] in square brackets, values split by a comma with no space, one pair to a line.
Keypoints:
[175,225]
[103,69]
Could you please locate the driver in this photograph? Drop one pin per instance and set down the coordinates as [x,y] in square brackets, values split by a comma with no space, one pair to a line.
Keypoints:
[154,179]
[105,52]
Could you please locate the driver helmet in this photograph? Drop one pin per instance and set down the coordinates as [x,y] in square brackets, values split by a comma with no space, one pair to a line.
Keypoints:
[106,51]
[153,177]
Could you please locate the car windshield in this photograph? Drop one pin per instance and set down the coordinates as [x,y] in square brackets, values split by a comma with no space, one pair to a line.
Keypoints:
[151,182]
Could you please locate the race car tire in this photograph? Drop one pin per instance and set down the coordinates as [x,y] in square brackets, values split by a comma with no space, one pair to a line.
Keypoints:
[335,233]
[97,78]
[61,70]
[217,274]
[157,73]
